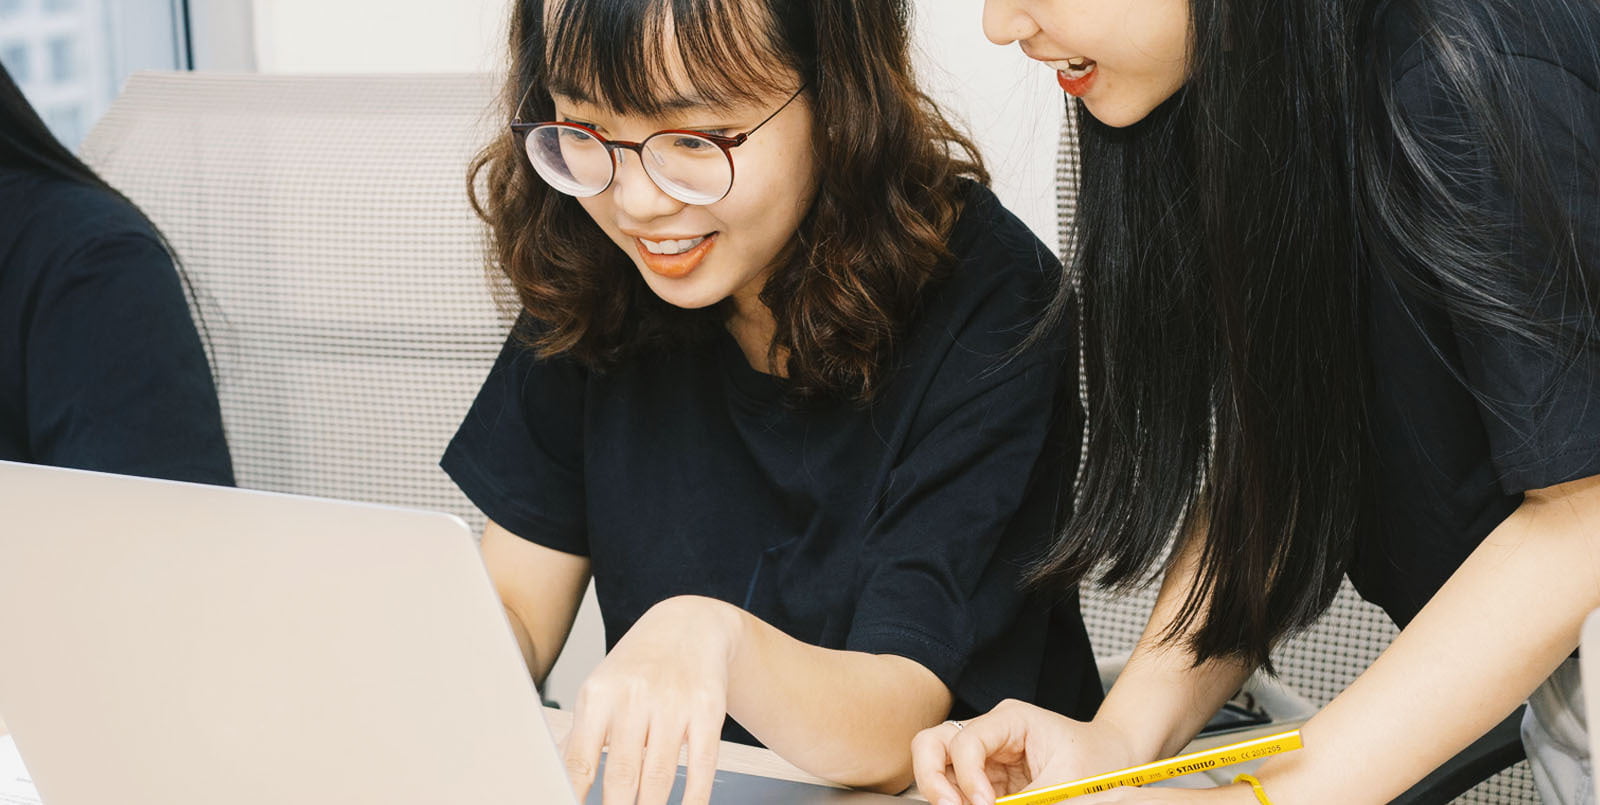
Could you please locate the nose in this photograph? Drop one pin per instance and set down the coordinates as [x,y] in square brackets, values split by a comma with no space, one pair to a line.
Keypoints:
[1005,22]
[637,195]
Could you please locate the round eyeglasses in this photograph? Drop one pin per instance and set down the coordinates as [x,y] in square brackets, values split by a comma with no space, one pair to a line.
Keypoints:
[693,167]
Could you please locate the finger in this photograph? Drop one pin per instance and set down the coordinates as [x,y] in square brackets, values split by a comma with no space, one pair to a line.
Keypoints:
[584,742]
[970,751]
[930,762]
[660,768]
[705,737]
[624,759]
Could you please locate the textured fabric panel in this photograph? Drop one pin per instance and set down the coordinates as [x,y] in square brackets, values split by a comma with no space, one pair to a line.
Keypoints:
[337,267]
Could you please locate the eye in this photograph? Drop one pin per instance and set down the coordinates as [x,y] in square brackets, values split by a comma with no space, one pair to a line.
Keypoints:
[583,123]
[692,144]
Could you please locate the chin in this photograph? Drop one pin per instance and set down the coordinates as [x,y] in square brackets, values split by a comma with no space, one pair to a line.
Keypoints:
[1117,117]
[682,292]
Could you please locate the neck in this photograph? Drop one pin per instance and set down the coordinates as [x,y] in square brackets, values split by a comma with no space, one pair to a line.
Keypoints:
[753,326]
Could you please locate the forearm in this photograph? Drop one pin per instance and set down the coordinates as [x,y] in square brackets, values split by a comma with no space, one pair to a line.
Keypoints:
[1498,628]
[842,715]
[1162,699]
[530,656]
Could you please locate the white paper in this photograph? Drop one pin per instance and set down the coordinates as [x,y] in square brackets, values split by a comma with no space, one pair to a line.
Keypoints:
[16,787]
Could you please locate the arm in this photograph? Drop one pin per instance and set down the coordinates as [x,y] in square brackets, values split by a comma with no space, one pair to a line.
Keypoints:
[1158,703]
[540,588]
[787,693]
[689,660]
[1507,618]
[1162,699]
[1502,623]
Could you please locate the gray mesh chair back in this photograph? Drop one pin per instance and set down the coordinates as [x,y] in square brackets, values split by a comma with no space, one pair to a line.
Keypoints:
[337,267]
[1316,664]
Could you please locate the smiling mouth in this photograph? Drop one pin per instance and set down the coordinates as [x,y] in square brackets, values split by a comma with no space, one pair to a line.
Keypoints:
[674,259]
[672,246]
[1075,76]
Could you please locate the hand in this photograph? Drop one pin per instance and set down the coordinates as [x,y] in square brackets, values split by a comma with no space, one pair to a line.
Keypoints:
[664,685]
[1013,747]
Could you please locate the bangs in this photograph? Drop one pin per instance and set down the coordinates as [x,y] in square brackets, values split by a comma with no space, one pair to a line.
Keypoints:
[652,57]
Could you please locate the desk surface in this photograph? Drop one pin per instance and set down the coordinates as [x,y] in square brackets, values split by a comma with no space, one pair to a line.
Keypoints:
[751,760]
[733,757]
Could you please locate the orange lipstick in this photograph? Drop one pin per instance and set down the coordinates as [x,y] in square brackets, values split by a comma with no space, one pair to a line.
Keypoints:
[1077,82]
[675,266]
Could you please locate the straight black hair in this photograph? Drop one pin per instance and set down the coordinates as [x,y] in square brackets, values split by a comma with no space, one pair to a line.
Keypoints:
[1223,246]
[27,146]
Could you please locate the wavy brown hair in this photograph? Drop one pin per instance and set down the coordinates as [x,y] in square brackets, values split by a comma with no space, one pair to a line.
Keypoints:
[893,177]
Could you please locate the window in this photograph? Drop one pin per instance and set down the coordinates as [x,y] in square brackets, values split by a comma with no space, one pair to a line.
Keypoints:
[66,122]
[71,56]
[14,55]
[63,61]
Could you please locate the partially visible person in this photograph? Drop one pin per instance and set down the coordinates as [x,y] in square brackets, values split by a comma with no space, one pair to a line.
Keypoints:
[1338,285]
[101,366]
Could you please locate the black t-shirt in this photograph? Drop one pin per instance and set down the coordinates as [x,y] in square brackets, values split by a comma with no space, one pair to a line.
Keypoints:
[1466,419]
[101,367]
[900,528]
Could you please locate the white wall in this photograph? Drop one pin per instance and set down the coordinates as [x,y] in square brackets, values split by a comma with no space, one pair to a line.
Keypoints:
[1010,104]
[389,36]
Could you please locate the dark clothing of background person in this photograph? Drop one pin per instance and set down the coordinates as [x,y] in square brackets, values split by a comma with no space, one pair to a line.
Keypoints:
[101,366]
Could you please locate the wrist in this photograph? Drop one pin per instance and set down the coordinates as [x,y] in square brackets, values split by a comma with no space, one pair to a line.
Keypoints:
[1138,744]
[719,623]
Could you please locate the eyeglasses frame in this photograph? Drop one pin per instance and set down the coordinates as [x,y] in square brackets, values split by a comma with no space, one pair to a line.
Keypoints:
[521,130]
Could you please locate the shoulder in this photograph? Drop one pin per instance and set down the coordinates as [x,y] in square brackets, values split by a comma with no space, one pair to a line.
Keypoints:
[981,312]
[1000,267]
[59,223]
[1545,40]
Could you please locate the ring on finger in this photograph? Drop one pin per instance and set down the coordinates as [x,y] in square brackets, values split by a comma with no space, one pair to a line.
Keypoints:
[959,725]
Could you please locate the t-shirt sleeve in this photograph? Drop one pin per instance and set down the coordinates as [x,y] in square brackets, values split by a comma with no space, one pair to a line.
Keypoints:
[1540,406]
[944,579]
[518,455]
[117,377]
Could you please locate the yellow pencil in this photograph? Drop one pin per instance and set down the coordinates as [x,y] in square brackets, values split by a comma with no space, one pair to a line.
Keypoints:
[1160,770]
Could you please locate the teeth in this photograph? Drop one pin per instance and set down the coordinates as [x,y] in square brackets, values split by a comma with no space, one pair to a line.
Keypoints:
[671,246]
[1076,68]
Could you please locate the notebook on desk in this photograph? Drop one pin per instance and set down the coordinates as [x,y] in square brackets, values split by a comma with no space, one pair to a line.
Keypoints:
[185,645]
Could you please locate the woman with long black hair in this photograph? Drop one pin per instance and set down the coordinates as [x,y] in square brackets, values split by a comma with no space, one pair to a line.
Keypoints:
[1335,273]
[101,366]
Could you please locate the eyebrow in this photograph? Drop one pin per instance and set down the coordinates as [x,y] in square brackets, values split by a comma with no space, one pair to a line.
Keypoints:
[577,94]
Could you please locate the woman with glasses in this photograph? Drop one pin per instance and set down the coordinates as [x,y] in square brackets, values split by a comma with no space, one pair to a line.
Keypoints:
[769,389]
[1338,280]
[101,367]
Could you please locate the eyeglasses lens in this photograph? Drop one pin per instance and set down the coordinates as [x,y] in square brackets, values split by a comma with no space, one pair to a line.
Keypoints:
[691,169]
[570,159]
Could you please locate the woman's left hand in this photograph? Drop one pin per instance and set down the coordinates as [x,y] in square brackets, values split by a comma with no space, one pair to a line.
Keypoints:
[663,686]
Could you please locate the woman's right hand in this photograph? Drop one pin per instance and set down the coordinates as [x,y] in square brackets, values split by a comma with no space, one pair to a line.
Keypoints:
[1013,747]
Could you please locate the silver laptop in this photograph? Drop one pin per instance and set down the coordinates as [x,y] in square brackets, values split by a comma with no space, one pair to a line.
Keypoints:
[190,645]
